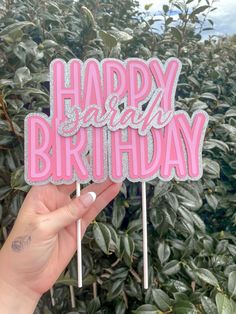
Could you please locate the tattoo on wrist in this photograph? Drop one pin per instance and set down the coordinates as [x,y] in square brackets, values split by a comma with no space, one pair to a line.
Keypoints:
[21,243]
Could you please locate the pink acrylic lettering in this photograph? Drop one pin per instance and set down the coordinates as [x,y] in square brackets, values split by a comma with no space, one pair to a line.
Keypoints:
[119,113]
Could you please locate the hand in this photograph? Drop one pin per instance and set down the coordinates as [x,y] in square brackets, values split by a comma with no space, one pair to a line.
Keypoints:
[43,240]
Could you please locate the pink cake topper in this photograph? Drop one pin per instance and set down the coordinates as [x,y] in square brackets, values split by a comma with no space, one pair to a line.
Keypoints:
[120,113]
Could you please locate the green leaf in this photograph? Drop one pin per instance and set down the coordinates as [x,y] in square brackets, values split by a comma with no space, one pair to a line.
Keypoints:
[114,238]
[212,201]
[88,280]
[128,245]
[156,217]
[176,33]
[94,305]
[166,8]
[198,222]
[67,280]
[89,15]
[134,225]
[161,188]
[171,268]
[161,299]
[184,307]
[172,200]
[116,289]
[207,276]
[229,269]
[193,80]
[127,249]
[102,236]
[208,96]
[213,143]
[211,168]
[15,26]
[48,43]
[120,273]
[147,309]
[208,305]
[231,113]
[207,29]
[232,284]
[34,91]
[211,22]
[199,10]
[169,217]
[120,307]
[22,76]
[108,39]
[188,196]
[18,181]
[40,76]
[224,305]
[4,191]
[118,214]
[121,36]
[180,286]
[169,20]
[16,203]
[148,6]
[6,82]
[163,252]
[229,128]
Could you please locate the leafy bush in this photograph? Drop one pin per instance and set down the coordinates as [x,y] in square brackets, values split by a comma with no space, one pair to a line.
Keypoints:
[192,247]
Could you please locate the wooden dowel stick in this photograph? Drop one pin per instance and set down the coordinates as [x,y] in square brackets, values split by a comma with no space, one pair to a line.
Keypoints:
[79,249]
[145,246]
[95,294]
[52,297]
[72,296]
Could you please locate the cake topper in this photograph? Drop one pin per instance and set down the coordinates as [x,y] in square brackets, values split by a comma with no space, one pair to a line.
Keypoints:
[122,114]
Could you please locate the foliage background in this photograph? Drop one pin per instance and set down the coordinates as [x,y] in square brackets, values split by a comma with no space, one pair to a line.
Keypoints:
[192,246]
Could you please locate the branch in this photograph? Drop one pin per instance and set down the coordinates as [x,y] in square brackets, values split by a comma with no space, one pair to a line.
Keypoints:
[4,107]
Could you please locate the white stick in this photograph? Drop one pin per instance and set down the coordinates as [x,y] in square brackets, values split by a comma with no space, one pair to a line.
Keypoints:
[79,250]
[79,255]
[145,246]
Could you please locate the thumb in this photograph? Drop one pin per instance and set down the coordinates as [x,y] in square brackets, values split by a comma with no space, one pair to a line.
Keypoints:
[66,215]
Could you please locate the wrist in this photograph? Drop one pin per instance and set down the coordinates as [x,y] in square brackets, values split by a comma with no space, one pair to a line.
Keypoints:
[15,295]
[17,298]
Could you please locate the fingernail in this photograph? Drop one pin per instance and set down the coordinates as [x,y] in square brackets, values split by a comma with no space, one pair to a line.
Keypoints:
[88,198]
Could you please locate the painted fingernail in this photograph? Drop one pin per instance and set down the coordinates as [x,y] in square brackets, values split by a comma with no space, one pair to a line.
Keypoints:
[88,198]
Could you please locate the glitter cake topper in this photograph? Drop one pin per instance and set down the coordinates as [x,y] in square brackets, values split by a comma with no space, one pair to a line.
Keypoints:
[122,115]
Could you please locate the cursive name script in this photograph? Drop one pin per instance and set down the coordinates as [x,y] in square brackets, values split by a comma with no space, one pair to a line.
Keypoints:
[142,120]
